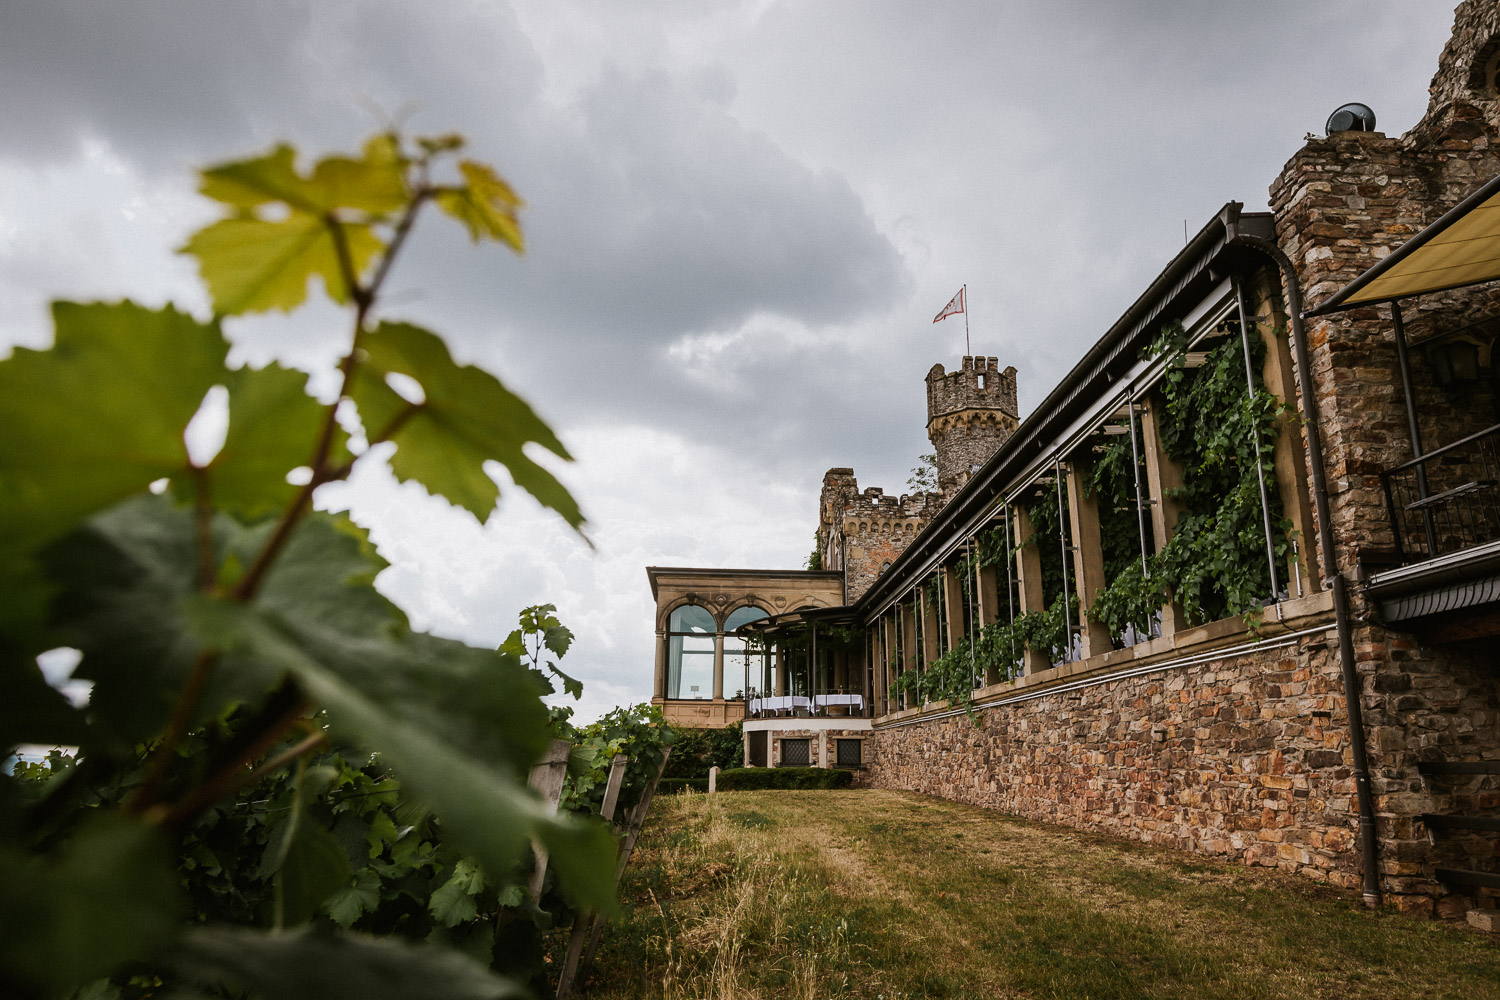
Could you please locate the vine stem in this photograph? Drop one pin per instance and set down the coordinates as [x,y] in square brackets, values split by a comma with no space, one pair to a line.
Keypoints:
[237,773]
[364,298]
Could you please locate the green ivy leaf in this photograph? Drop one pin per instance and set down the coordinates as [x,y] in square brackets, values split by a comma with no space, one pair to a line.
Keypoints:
[466,419]
[110,897]
[93,420]
[342,966]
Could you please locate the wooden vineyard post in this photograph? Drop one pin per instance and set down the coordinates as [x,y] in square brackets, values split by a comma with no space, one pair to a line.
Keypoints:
[568,976]
[547,779]
[632,827]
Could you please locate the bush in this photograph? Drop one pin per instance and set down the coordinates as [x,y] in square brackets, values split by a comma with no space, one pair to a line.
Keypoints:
[749,778]
[694,751]
[671,786]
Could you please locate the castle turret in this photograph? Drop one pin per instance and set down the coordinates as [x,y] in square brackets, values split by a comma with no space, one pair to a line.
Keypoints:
[970,414]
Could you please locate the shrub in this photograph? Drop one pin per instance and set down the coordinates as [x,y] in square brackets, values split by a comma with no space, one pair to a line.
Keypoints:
[671,786]
[694,751]
[749,778]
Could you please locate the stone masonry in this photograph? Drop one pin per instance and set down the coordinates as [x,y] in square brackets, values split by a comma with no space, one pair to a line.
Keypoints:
[970,414]
[863,533]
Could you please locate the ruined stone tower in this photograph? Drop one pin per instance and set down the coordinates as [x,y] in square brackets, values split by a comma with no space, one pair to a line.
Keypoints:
[970,414]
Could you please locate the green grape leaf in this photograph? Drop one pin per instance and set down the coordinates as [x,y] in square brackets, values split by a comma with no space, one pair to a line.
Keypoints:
[486,205]
[95,419]
[333,966]
[111,896]
[453,902]
[466,419]
[274,427]
[252,263]
[255,265]
[122,580]
[558,638]
[397,699]
[313,870]
[357,897]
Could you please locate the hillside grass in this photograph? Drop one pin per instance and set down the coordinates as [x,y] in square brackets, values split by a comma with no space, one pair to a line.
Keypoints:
[876,894]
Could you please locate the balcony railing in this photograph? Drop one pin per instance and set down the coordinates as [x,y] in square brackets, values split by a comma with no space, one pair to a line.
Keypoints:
[829,705]
[1447,500]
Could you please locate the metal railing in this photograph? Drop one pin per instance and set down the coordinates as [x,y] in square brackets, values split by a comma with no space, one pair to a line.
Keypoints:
[1446,500]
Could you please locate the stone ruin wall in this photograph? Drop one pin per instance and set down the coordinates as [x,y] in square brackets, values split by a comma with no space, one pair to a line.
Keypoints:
[863,532]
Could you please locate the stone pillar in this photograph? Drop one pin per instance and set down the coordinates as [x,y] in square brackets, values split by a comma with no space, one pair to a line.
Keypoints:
[987,609]
[1289,458]
[887,660]
[1029,584]
[911,656]
[780,672]
[1088,559]
[930,648]
[713,779]
[659,680]
[953,605]
[719,667]
[1162,474]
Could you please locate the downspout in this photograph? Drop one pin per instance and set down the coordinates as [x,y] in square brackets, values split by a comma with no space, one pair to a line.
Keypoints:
[1352,691]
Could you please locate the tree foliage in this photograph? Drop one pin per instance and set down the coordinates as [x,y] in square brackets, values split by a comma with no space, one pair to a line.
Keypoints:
[269,749]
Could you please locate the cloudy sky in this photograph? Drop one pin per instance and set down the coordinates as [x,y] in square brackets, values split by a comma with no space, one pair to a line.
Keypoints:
[742,216]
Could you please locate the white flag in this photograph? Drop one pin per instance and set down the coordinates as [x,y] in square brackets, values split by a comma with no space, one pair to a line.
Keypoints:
[953,308]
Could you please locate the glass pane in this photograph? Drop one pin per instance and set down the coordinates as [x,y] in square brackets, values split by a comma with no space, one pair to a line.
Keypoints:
[848,753]
[795,753]
[690,666]
[741,616]
[742,668]
[691,618]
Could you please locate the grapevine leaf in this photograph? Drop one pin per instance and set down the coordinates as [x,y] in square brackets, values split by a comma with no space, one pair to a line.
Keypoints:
[333,966]
[358,896]
[486,205]
[254,265]
[93,420]
[466,419]
[558,638]
[313,869]
[110,897]
[432,738]
[453,903]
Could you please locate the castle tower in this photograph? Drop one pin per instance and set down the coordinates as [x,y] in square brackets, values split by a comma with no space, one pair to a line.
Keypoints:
[970,414]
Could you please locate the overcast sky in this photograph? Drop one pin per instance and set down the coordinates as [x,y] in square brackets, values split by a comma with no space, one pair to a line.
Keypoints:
[741,218]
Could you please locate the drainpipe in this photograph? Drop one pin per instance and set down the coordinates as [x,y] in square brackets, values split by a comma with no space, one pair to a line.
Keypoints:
[1352,691]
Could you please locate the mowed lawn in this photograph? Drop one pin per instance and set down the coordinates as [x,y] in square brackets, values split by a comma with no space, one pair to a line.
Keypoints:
[820,894]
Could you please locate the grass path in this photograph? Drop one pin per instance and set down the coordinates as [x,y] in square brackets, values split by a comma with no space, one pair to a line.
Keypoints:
[876,894]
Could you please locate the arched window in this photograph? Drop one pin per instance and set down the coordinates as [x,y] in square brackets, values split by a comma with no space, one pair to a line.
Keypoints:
[743,668]
[690,653]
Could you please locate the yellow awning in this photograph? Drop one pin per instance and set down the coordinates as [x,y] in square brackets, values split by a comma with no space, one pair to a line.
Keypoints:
[1462,248]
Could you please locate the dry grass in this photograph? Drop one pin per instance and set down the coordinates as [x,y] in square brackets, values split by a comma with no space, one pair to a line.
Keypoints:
[870,894]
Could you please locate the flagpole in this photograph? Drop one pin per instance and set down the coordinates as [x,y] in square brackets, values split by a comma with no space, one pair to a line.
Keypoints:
[967,349]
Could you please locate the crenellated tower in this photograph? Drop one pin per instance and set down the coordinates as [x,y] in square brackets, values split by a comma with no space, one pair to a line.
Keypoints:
[971,412]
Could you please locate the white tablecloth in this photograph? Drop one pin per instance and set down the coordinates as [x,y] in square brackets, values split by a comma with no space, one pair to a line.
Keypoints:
[784,703]
[824,700]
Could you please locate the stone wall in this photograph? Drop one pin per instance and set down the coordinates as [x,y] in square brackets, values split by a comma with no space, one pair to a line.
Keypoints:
[821,750]
[1244,758]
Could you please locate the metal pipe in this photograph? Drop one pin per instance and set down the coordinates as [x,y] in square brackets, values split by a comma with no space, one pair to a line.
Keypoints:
[1260,472]
[1369,857]
[1135,468]
[1062,536]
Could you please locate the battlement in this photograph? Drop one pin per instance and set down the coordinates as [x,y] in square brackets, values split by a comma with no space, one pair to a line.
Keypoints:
[978,384]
